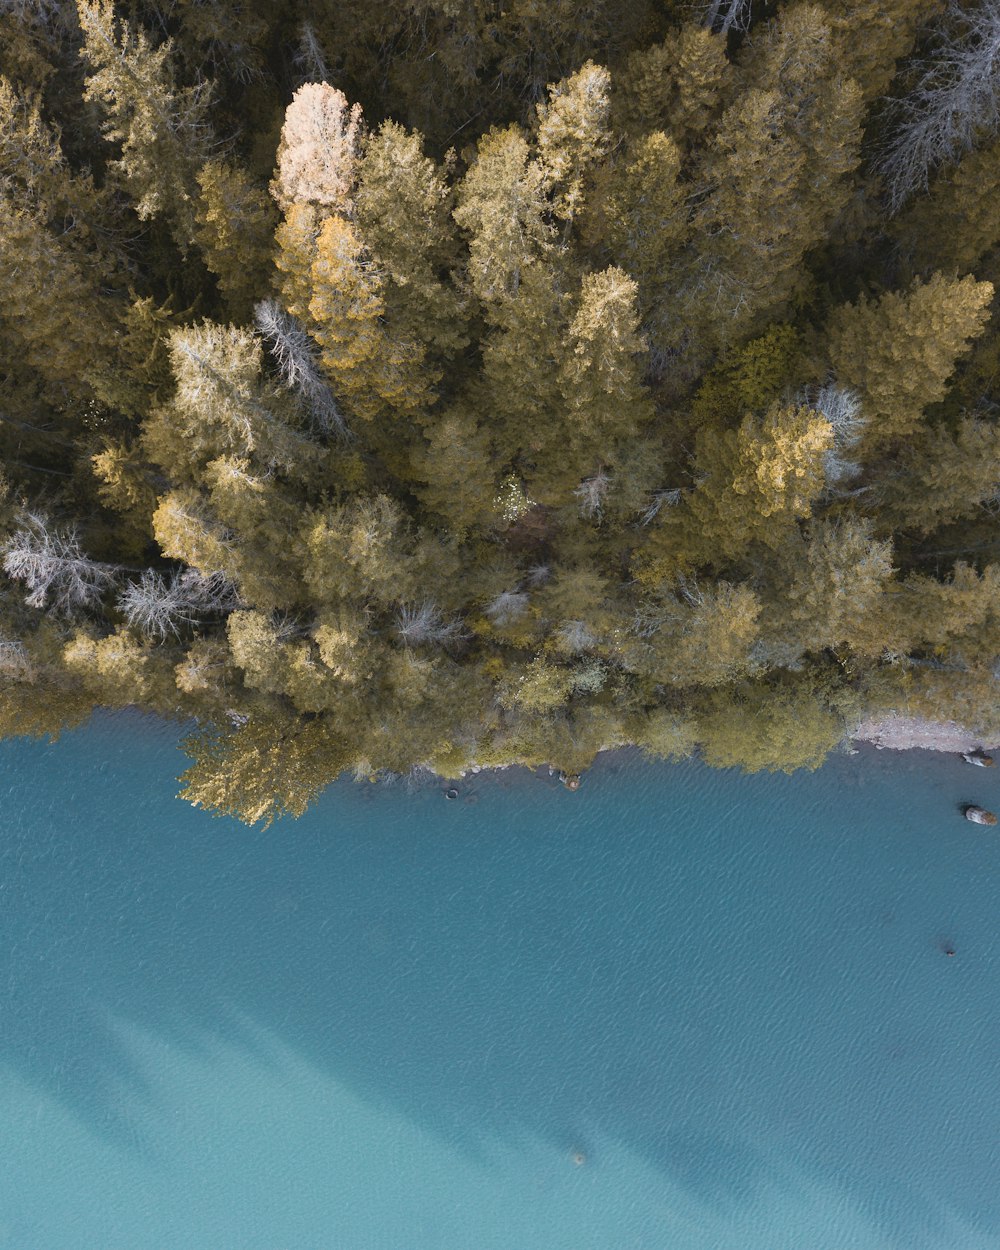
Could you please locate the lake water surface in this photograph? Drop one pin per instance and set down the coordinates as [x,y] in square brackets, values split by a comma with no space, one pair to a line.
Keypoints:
[677,1010]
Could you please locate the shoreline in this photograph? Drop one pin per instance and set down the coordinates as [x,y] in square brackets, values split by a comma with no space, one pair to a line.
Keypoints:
[891,732]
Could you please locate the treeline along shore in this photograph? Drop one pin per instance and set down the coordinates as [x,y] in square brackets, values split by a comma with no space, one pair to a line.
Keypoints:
[429,384]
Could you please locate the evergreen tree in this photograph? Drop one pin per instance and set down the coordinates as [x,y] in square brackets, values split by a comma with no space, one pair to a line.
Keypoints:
[502,206]
[674,86]
[753,484]
[60,323]
[161,129]
[369,370]
[759,727]
[317,156]
[955,224]
[403,214]
[573,133]
[834,581]
[222,406]
[773,177]
[944,476]
[899,351]
[640,213]
[697,636]
[235,225]
[271,765]
[454,471]
[601,375]
[873,36]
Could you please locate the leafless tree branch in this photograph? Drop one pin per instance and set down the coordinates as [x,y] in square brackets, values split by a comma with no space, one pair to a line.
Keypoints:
[956,100]
[295,357]
[52,566]
[160,606]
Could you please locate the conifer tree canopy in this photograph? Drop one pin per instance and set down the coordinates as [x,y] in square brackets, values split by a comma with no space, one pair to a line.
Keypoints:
[418,386]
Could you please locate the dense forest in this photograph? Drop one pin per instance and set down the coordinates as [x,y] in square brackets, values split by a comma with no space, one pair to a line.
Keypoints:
[388,386]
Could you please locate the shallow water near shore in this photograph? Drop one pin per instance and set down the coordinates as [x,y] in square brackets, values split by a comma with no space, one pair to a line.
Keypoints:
[677,1010]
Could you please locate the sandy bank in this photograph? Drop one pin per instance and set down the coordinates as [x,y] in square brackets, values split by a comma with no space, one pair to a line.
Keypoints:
[903,733]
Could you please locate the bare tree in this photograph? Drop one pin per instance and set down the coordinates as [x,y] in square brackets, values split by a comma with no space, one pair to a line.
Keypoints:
[160,606]
[295,356]
[575,636]
[424,623]
[591,493]
[956,101]
[661,498]
[310,59]
[52,566]
[44,12]
[648,619]
[842,408]
[690,591]
[507,607]
[726,15]
[15,661]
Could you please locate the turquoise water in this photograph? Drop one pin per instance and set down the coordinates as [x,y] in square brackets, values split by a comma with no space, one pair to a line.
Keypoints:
[394,1024]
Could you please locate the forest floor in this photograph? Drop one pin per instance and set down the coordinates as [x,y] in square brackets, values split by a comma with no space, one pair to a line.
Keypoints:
[902,733]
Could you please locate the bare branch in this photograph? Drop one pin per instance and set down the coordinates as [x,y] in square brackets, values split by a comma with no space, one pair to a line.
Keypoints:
[425,623]
[294,354]
[310,58]
[661,498]
[159,606]
[842,408]
[723,16]
[955,102]
[690,591]
[52,566]
[507,607]
[575,636]
[591,493]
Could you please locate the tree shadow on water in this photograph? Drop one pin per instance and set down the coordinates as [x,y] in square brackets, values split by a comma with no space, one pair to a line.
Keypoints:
[619,963]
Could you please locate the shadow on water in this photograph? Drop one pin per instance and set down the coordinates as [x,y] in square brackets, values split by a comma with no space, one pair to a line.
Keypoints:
[719,973]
